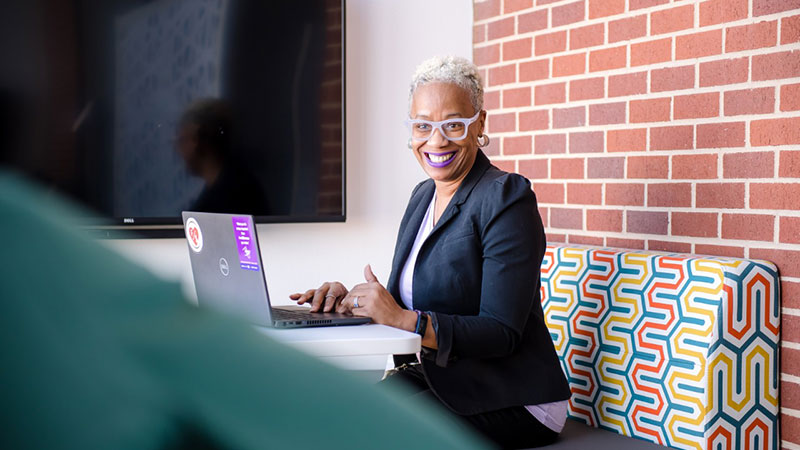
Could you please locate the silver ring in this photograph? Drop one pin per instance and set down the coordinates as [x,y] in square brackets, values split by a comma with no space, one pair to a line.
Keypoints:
[355,303]
[330,295]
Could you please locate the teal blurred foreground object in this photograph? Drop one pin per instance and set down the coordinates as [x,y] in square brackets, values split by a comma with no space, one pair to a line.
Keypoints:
[97,353]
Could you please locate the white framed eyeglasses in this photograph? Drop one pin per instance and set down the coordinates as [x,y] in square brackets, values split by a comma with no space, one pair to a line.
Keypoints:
[450,129]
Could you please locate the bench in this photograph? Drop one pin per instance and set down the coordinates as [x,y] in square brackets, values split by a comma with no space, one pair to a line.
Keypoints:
[678,350]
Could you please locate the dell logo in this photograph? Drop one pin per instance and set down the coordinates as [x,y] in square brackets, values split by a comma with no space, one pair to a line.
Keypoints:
[223,267]
[127,220]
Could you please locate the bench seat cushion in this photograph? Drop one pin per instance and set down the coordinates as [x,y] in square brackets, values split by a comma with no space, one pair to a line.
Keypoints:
[678,350]
[579,436]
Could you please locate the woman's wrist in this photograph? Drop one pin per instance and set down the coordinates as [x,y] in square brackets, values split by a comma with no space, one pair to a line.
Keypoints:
[407,320]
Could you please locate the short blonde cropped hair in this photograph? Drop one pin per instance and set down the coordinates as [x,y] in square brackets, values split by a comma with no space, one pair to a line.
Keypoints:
[450,69]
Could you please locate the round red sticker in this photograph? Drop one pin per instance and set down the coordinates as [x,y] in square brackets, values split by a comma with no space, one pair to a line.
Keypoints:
[194,235]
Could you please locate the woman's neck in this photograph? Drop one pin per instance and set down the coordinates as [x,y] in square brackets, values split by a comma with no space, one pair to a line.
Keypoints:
[446,189]
[444,193]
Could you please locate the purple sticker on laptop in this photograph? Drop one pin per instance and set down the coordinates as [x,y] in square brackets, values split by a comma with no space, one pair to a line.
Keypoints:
[248,256]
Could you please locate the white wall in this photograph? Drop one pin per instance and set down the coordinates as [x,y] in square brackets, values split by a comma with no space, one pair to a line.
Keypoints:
[385,41]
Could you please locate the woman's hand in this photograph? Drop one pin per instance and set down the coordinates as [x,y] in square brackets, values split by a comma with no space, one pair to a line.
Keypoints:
[376,302]
[325,298]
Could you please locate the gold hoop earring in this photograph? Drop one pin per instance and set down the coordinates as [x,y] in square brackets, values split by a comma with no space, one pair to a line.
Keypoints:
[485,143]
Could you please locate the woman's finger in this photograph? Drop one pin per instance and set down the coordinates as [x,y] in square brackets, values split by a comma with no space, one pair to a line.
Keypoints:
[297,296]
[338,289]
[369,276]
[319,298]
[363,310]
[302,298]
[364,294]
[347,303]
[329,302]
[365,300]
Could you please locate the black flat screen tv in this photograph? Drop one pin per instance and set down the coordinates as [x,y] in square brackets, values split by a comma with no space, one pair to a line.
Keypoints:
[140,109]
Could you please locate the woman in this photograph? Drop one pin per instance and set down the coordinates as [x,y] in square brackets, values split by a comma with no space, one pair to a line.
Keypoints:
[465,274]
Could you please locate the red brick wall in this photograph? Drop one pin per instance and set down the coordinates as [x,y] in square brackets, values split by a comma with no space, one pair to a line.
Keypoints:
[656,124]
[330,192]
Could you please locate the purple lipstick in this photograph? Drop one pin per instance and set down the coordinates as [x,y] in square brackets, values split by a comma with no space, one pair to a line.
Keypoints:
[439,160]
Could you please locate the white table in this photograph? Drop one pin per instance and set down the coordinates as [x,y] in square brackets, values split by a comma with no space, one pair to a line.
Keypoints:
[363,348]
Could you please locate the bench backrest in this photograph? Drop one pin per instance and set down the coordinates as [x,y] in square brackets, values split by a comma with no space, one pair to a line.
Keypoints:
[679,350]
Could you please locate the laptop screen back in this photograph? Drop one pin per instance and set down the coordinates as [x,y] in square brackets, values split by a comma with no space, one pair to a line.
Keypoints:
[226,265]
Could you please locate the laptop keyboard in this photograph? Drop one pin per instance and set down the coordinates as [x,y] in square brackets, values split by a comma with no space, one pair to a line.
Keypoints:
[286,314]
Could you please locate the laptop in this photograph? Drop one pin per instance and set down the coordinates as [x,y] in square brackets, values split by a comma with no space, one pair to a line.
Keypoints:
[229,274]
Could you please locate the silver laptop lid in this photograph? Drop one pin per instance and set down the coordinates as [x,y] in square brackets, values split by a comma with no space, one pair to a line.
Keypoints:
[226,264]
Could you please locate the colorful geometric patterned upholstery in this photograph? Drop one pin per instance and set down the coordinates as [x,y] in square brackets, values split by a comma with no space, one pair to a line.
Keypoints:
[678,350]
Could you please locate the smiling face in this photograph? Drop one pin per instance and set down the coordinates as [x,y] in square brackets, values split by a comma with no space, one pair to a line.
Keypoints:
[443,160]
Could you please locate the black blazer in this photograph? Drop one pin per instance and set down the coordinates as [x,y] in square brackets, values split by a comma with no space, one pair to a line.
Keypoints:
[478,275]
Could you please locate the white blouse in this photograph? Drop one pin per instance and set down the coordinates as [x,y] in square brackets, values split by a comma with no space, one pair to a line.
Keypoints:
[407,275]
